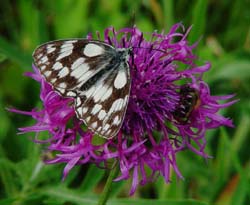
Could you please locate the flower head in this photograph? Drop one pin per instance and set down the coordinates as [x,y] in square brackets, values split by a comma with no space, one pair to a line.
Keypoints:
[174,102]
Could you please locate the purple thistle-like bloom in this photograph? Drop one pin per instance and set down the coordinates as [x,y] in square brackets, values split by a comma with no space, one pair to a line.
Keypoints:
[156,104]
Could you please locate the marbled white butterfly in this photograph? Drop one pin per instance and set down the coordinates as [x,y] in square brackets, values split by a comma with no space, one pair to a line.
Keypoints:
[92,72]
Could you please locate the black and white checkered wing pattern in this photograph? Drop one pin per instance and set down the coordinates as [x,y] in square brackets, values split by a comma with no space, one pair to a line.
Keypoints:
[95,74]
[106,101]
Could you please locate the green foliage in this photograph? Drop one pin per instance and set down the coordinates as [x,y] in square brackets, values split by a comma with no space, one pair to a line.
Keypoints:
[224,33]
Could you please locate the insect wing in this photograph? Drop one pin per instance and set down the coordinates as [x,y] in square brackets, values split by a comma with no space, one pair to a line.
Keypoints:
[91,72]
[102,107]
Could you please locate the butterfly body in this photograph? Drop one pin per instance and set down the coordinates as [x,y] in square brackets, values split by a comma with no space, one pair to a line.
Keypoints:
[92,72]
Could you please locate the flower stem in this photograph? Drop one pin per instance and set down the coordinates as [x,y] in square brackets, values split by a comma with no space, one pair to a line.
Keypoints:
[106,191]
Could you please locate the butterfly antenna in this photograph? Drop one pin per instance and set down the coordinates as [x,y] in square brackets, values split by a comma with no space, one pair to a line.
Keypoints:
[151,49]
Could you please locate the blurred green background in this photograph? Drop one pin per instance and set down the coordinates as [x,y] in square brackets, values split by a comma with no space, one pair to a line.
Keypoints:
[224,29]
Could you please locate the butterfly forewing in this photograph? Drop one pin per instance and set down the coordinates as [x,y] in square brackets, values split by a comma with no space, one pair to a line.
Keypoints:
[66,65]
[95,74]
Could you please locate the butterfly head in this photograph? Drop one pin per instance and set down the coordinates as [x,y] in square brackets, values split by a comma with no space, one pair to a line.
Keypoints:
[125,53]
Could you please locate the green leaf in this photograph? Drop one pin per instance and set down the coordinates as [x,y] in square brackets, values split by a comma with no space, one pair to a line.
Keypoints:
[116,188]
[68,195]
[199,20]
[165,191]
[4,119]
[92,177]
[29,32]
[7,177]
[70,18]
[65,194]
[241,133]
[7,201]
[231,69]
[223,159]
[168,13]
[243,185]
[15,54]
[242,189]
[2,57]
[151,201]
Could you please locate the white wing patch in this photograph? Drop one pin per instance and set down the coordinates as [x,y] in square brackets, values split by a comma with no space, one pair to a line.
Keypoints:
[50,48]
[94,125]
[44,59]
[79,70]
[102,114]
[92,50]
[63,72]
[47,73]
[66,49]
[117,105]
[120,80]
[77,63]
[57,66]
[117,120]
[96,109]
[102,93]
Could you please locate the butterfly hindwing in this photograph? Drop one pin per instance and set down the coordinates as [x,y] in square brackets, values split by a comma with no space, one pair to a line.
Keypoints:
[106,101]
[95,74]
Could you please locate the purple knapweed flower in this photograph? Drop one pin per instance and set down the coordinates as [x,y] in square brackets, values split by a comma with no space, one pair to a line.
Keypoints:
[175,103]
